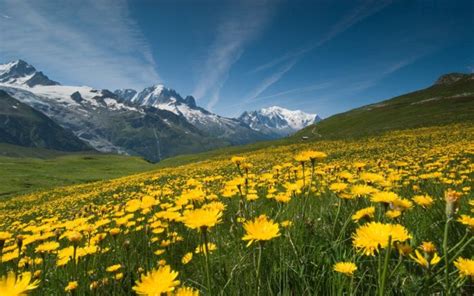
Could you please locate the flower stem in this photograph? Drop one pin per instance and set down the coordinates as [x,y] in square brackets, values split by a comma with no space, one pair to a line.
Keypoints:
[385,267]
[446,257]
[259,263]
[206,256]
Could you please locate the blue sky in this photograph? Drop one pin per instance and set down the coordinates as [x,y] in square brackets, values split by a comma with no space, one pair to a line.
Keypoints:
[318,56]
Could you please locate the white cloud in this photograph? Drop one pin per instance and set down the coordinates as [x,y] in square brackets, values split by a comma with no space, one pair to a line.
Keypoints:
[236,31]
[89,42]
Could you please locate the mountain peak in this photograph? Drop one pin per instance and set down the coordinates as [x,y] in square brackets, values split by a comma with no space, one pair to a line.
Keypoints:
[20,72]
[278,121]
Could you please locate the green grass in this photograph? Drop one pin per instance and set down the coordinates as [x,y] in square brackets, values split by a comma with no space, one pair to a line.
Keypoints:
[433,106]
[26,169]
[25,174]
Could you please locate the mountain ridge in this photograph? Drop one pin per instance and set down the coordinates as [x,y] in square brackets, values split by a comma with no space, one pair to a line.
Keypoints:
[154,123]
[278,121]
[450,99]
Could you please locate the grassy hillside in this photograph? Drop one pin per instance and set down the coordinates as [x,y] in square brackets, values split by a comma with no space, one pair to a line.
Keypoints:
[444,103]
[28,169]
[450,100]
[368,206]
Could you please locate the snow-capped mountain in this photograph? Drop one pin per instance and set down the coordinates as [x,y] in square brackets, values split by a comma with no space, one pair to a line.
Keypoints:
[21,73]
[155,122]
[160,97]
[278,121]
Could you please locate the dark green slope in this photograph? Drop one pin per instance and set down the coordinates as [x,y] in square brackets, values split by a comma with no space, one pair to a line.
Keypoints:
[449,100]
[24,126]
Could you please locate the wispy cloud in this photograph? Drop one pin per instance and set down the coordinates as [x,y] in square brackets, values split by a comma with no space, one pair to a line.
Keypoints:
[236,31]
[91,42]
[290,59]
[299,90]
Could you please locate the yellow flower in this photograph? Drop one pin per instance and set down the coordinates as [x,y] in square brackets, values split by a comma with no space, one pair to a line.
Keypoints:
[428,247]
[71,286]
[157,281]
[392,214]
[467,220]
[260,229]
[384,197]
[187,258]
[10,285]
[113,268]
[74,236]
[238,160]
[338,187]
[374,235]
[159,252]
[3,237]
[465,267]
[366,212]
[47,247]
[314,155]
[423,200]
[201,248]
[186,291]
[423,261]
[346,268]
[201,218]
[286,223]
[362,190]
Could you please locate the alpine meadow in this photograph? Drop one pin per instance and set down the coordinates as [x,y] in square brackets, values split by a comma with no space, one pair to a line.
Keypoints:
[325,148]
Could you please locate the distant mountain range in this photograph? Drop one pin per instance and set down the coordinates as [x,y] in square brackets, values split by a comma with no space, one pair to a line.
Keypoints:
[277,122]
[154,123]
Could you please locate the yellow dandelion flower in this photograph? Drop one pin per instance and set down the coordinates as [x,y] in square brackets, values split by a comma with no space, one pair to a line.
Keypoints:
[4,236]
[260,229]
[186,291]
[71,286]
[338,187]
[286,224]
[465,267]
[187,258]
[202,249]
[428,247]
[374,235]
[201,218]
[113,268]
[17,286]
[363,213]
[392,214]
[47,247]
[467,220]
[424,201]
[347,268]
[362,190]
[157,281]
[238,160]
[424,261]
[384,197]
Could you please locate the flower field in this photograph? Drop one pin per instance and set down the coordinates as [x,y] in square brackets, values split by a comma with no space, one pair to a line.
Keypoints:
[389,215]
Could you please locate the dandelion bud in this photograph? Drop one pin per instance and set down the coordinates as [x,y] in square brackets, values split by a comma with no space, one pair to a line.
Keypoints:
[452,202]
[94,285]
[126,244]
